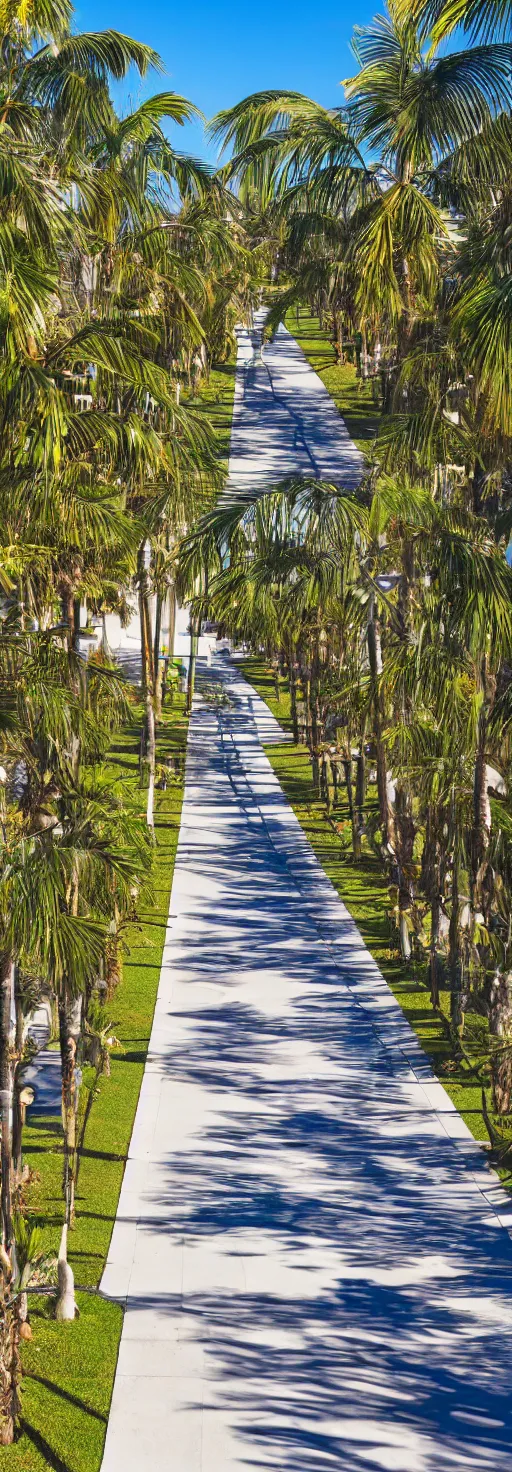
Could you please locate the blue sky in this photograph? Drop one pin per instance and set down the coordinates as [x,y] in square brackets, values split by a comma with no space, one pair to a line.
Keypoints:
[217,53]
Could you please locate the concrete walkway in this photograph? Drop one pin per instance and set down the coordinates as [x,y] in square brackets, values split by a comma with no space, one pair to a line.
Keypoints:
[312,1252]
[284,421]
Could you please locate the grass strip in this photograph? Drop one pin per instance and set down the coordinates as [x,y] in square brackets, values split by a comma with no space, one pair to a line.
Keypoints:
[353,397]
[364,890]
[215,397]
[214,400]
[69,1368]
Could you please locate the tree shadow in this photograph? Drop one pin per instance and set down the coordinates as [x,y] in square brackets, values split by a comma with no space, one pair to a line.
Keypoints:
[67,1395]
[51,1457]
[341,1267]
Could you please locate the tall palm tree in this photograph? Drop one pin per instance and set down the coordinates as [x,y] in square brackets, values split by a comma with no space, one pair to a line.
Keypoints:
[372,168]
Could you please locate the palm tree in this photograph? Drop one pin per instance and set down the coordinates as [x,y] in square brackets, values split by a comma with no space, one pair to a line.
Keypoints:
[122,263]
[61,717]
[311,570]
[362,188]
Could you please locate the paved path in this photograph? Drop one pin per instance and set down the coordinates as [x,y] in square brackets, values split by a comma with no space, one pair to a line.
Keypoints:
[308,1241]
[284,421]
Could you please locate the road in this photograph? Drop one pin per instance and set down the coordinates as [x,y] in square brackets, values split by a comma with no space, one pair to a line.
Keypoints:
[313,1254]
[284,421]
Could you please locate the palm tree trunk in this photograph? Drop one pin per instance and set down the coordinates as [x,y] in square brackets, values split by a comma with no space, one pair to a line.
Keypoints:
[404,833]
[105,646]
[500,1029]
[171,602]
[172,619]
[67,613]
[431,884]
[6,1098]
[347,769]
[76,625]
[384,784]
[146,638]
[10,1369]
[360,799]
[315,723]
[151,730]
[147,686]
[301,721]
[329,782]
[455,966]
[157,673]
[306,685]
[293,694]
[10,1366]
[315,702]
[435,911]
[17,1119]
[65,1307]
[191,681]
[481,830]
[67,1039]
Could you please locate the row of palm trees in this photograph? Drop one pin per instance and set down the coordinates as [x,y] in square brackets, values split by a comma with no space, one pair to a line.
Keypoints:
[391,610]
[123,268]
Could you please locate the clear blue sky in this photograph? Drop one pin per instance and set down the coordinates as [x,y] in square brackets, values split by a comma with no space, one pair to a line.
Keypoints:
[216,53]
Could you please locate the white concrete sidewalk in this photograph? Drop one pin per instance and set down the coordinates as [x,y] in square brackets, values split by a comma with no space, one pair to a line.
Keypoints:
[308,1240]
[284,420]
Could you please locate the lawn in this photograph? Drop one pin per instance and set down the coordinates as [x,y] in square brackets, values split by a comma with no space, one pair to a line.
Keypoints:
[215,400]
[69,1368]
[365,893]
[352,397]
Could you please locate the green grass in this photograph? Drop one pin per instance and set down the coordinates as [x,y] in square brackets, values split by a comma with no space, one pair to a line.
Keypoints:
[352,397]
[365,893]
[215,400]
[69,1368]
